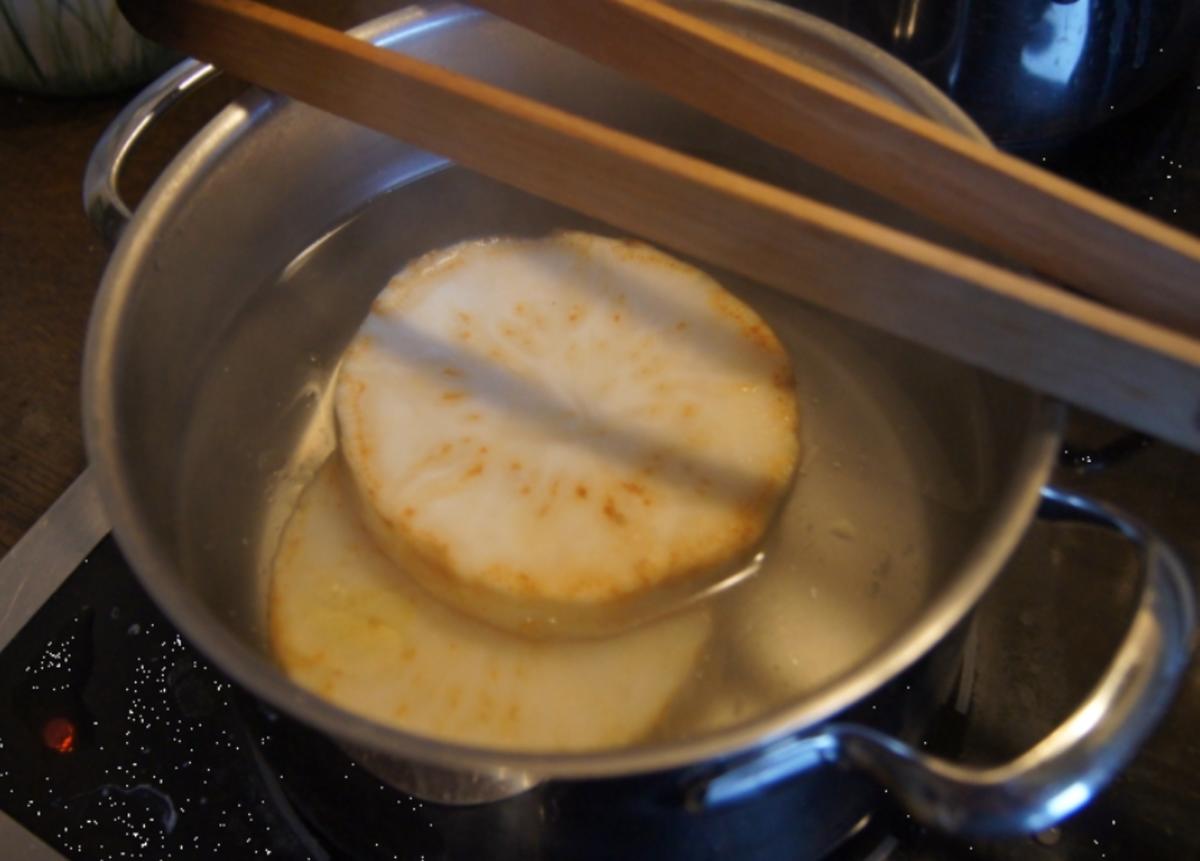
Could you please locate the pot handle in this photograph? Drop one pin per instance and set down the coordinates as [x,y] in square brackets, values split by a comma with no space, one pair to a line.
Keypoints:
[1063,771]
[101,200]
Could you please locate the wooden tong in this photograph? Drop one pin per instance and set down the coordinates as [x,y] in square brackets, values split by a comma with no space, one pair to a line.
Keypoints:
[1134,370]
[1052,226]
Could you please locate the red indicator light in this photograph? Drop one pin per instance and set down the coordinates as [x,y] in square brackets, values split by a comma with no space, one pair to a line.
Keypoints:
[58,734]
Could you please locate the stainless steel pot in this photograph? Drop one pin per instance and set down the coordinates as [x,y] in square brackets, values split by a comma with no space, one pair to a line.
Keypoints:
[250,264]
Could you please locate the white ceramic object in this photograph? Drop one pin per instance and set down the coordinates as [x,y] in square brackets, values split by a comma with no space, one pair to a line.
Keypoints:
[72,47]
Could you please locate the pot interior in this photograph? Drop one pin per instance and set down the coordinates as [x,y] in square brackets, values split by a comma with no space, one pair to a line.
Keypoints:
[255,258]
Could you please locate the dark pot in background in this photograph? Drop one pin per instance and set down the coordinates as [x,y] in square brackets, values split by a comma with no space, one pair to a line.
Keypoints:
[1031,72]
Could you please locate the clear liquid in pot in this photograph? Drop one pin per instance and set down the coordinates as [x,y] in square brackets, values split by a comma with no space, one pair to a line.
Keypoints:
[894,473]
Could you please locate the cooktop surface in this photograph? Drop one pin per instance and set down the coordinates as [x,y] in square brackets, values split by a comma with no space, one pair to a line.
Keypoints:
[118,740]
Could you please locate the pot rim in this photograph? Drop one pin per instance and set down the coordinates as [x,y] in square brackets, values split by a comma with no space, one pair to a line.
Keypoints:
[256,673]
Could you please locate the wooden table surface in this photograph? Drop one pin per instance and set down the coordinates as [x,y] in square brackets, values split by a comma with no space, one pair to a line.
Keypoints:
[51,263]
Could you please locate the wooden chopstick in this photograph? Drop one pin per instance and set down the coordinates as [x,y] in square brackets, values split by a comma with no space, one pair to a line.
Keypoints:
[1055,227]
[1134,371]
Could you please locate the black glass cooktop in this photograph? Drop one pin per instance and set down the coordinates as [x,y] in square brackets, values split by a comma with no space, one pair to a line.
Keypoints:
[117,740]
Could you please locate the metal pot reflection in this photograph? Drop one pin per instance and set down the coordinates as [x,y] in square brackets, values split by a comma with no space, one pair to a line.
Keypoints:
[1032,72]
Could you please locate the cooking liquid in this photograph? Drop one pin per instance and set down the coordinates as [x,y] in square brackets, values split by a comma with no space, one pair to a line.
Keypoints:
[843,569]
[878,511]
